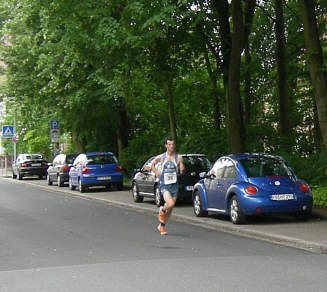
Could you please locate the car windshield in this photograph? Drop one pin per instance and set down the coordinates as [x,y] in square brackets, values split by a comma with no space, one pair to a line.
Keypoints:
[196,163]
[101,159]
[265,166]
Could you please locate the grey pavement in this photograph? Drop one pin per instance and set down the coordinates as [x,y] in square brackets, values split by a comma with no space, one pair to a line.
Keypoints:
[281,229]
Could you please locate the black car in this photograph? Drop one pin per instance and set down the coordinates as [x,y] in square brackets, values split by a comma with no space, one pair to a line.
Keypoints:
[59,169]
[145,184]
[29,165]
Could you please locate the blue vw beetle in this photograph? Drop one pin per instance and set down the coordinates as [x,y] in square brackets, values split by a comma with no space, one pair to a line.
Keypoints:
[248,184]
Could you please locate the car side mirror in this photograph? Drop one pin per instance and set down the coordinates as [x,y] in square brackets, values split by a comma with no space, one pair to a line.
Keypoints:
[203,175]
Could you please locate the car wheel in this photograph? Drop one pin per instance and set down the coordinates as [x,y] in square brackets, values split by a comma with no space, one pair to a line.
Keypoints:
[158,199]
[198,206]
[303,215]
[119,186]
[81,188]
[71,186]
[20,176]
[135,192]
[49,180]
[59,181]
[235,213]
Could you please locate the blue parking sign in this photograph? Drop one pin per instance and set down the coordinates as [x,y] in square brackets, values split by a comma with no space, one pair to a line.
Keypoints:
[7,131]
[54,125]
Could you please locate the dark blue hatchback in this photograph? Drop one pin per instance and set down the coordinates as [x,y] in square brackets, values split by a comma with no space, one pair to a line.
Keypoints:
[95,169]
[249,184]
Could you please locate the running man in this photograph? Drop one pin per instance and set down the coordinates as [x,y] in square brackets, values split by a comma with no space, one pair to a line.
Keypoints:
[171,164]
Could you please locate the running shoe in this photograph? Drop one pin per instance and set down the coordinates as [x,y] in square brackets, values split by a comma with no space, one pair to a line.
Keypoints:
[162,229]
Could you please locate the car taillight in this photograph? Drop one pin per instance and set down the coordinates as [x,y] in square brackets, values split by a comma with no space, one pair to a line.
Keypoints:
[65,168]
[85,169]
[23,164]
[118,168]
[250,190]
[304,188]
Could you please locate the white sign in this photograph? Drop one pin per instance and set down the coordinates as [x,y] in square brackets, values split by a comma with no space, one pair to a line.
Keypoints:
[54,135]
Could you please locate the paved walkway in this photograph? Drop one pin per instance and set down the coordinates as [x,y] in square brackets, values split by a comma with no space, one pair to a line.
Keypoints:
[282,229]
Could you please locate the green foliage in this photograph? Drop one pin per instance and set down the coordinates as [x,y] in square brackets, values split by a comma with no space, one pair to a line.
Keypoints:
[319,196]
[312,168]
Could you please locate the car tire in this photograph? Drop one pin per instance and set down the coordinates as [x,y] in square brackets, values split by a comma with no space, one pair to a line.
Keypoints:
[81,188]
[120,186]
[303,215]
[71,186]
[20,176]
[235,213]
[135,192]
[198,206]
[59,181]
[49,180]
[158,199]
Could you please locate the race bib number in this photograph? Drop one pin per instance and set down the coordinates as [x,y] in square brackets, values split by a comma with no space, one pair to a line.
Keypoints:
[170,178]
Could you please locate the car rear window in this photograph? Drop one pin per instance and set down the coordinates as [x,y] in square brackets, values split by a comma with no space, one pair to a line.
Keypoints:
[70,159]
[101,159]
[33,156]
[196,163]
[265,166]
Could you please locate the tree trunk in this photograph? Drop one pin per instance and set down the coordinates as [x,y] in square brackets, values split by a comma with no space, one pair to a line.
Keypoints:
[79,145]
[213,82]
[122,132]
[282,88]
[221,8]
[171,109]
[247,87]
[242,19]
[315,64]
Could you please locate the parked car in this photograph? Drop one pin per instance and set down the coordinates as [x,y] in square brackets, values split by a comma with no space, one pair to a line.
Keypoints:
[145,183]
[29,165]
[95,169]
[250,184]
[58,170]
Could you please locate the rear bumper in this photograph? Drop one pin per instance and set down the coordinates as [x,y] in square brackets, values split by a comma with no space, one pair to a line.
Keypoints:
[33,171]
[99,181]
[252,206]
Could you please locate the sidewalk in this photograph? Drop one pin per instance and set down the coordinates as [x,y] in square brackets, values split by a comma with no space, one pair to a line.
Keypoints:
[282,229]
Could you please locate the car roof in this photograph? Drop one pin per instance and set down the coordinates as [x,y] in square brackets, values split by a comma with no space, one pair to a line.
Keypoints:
[240,156]
[98,153]
[192,154]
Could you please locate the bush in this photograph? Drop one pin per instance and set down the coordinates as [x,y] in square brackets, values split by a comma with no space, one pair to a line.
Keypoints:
[319,196]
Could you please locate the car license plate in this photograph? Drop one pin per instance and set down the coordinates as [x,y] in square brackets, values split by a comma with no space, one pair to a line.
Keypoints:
[189,188]
[36,164]
[282,197]
[104,178]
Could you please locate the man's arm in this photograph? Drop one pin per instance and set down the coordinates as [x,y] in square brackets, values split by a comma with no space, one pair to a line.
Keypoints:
[153,166]
[180,164]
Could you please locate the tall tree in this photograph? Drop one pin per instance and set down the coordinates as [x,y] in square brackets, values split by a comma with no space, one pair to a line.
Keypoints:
[242,15]
[315,63]
[282,88]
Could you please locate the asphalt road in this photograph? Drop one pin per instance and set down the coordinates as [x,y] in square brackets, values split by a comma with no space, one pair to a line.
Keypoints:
[52,241]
